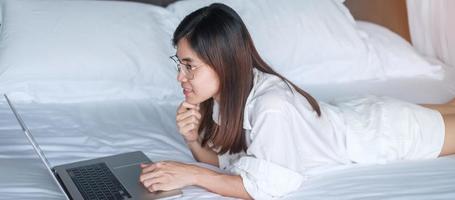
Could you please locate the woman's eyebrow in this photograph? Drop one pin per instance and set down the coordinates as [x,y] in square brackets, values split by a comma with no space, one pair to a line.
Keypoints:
[187,59]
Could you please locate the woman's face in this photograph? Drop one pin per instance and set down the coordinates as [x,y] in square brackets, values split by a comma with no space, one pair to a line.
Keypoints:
[205,82]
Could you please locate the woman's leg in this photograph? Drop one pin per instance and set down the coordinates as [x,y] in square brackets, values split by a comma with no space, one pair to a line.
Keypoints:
[448,113]
[447,108]
[452,102]
[449,140]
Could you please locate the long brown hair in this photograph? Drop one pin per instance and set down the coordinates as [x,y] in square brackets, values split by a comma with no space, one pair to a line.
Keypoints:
[220,38]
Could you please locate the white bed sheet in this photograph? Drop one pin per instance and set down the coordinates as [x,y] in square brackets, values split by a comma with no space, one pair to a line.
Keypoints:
[71,132]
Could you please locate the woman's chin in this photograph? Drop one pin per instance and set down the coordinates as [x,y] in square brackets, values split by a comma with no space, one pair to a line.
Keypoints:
[194,100]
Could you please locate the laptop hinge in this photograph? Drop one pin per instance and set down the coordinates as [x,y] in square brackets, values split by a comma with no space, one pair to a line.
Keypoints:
[61,183]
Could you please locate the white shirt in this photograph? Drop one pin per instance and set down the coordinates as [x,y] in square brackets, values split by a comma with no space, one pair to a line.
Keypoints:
[287,142]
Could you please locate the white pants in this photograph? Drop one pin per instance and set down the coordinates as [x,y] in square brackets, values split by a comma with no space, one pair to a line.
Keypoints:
[382,129]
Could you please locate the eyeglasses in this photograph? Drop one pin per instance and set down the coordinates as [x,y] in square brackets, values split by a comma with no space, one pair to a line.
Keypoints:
[185,68]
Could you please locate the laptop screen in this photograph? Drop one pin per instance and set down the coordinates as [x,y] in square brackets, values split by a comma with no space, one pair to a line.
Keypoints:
[34,144]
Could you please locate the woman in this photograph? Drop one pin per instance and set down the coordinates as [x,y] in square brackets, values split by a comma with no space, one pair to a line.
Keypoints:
[267,133]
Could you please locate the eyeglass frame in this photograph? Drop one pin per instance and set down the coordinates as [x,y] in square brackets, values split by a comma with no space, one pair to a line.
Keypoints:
[187,70]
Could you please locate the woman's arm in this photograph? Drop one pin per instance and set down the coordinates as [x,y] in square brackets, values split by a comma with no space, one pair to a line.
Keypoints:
[226,185]
[203,154]
[188,119]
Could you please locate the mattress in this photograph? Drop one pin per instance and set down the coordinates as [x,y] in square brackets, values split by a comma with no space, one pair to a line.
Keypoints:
[72,132]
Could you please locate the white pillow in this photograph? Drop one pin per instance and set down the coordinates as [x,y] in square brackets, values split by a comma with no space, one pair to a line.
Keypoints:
[58,50]
[307,41]
[397,56]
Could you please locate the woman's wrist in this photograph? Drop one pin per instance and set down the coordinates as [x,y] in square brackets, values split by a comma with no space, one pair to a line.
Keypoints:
[194,143]
[203,175]
[223,184]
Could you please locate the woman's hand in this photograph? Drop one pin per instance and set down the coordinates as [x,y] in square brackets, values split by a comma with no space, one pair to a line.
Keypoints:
[188,120]
[168,175]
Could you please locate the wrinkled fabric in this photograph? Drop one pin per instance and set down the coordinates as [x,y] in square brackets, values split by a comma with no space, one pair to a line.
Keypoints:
[287,141]
[289,144]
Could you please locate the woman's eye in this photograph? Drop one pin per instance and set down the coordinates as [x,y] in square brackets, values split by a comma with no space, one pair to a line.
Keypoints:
[189,67]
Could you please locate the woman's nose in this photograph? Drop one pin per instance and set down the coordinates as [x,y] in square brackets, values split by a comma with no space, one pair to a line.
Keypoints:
[181,77]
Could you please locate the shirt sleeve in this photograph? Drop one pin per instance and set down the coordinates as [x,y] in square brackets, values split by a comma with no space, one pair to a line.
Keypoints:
[225,161]
[267,169]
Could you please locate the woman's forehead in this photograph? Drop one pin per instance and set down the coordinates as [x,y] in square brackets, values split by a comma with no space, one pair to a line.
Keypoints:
[185,52]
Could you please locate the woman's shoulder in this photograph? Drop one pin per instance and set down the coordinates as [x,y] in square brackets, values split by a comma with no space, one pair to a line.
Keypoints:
[270,93]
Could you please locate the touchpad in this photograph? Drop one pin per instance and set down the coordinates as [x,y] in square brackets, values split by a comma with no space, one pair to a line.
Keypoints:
[129,177]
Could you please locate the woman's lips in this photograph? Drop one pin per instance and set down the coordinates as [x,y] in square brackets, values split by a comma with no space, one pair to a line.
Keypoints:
[187,92]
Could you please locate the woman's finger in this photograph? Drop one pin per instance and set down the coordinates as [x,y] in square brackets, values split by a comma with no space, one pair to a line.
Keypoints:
[188,113]
[188,120]
[186,130]
[155,187]
[185,106]
[150,175]
[152,167]
[159,179]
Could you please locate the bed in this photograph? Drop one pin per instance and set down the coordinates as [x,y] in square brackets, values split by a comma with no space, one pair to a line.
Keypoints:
[91,111]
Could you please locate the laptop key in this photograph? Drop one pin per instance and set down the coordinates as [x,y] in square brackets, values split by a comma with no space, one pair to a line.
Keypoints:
[97,181]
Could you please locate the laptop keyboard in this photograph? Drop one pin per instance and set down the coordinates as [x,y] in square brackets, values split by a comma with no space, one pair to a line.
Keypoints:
[96,181]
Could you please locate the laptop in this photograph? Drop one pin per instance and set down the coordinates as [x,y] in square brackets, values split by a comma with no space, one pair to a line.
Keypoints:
[112,177]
